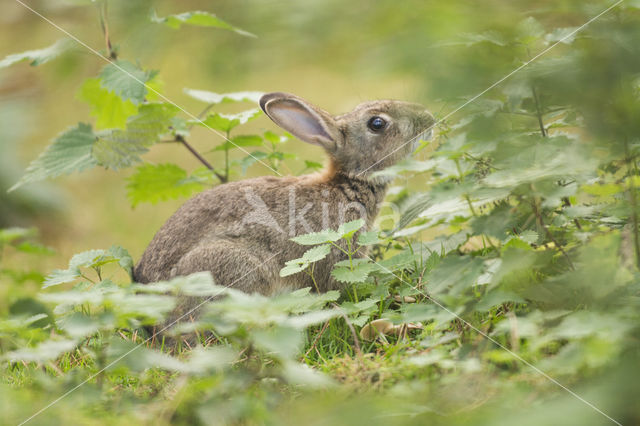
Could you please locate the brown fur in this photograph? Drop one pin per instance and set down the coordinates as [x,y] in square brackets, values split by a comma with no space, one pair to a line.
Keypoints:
[241,231]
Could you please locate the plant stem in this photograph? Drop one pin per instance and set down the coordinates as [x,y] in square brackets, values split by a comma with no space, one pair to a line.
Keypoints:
[536,212]
[536,100]
[226,158]
[104,24]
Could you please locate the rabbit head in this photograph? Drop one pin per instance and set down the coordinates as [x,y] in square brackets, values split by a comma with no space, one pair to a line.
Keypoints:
[374,136]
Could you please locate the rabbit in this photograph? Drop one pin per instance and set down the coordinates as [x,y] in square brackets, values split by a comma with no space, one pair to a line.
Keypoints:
[240,231]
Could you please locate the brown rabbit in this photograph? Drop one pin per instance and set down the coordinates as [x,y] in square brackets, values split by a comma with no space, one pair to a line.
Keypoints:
[241,231]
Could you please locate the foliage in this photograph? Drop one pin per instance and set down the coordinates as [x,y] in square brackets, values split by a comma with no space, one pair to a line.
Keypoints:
[506,291]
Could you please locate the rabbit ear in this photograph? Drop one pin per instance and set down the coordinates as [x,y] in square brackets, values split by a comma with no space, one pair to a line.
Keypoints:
[301,119]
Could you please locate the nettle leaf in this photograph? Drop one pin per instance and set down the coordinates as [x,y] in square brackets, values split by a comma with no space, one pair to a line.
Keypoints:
[360,272]
[121,148]
[223,98]
[110,110]
[346,230]
[240,141]
[314,238]
[293,267]
[369,238]
[316,253]
[227,122]
[199,19]
[89,259]
[69,152]
[40,56]
[153,183]
[126,80]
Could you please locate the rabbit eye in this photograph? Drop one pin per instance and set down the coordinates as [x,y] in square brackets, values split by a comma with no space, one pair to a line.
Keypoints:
[376,124]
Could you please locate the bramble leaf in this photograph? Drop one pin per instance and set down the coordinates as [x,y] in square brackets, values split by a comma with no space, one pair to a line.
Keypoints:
[69,152]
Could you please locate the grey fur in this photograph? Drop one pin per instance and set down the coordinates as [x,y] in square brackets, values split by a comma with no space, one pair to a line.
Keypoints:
[240,231]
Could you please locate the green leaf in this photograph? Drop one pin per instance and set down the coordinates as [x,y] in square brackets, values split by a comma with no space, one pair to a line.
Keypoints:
[89,259]
[316,253]
[125,80]
[121,148]
[346,230]
[227,122]
[239,141]
[153,183]
[293,267]
[314,238]
[38,57]
[69,152]
[369,238]
[361,269]
[110,110]
[223,98]
[197,18]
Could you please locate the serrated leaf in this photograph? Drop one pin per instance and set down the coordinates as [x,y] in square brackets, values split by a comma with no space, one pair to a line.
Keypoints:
[316,253]
[359,273]
[369,238]
[153,183]
[222,98]
[69,152]
[227,122]
[314,238]
[346,230]
[110,110]
[197,18]
[126,80]
[121,148]
[89,259]
[239,141]
[293,267]
[40,56]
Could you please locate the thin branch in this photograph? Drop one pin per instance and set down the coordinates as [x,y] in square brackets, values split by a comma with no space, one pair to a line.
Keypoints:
[183,141]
